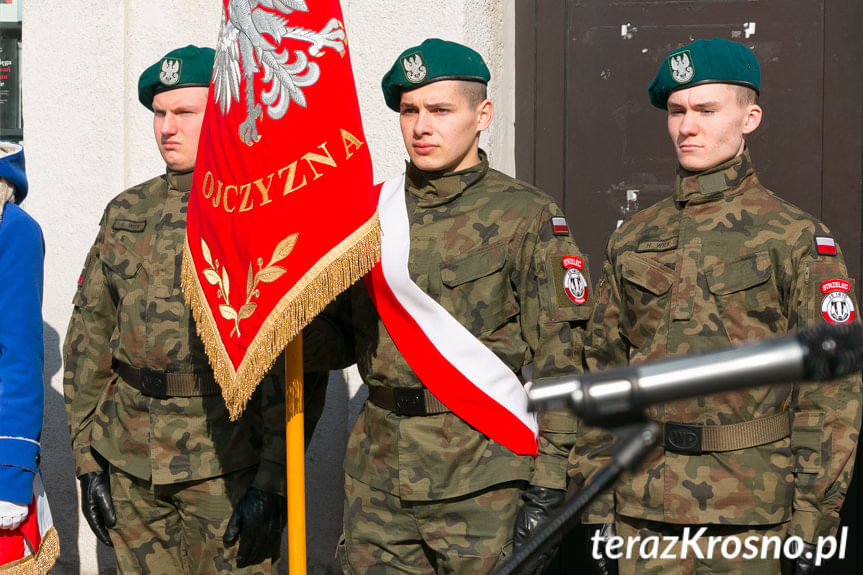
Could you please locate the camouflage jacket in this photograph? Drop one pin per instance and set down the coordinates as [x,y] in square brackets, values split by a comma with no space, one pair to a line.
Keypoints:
[129,308]
[722,262]
[510,297]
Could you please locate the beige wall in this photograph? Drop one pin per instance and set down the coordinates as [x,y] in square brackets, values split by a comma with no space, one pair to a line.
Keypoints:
[87,138]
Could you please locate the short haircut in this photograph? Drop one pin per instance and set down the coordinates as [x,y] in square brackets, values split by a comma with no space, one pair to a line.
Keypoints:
[475,92]
[746,95]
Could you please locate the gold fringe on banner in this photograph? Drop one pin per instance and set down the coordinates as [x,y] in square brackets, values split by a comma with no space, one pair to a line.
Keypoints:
[40,563]
[333,274]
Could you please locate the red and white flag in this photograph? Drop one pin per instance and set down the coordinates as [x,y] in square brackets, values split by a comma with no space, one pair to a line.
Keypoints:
[826,245]
[282,215]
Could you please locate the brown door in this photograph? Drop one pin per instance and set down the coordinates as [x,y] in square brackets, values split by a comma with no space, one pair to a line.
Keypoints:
[586,133]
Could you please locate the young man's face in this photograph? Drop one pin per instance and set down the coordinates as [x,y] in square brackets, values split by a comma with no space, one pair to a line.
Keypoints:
[177,118]
[707,124]
[441,127]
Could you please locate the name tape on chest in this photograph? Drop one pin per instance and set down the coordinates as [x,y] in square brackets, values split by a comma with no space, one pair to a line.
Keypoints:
[129,226]
[657,245]
[837,306]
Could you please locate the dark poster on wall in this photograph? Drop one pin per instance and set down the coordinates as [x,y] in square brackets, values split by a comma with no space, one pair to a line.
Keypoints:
[10,85]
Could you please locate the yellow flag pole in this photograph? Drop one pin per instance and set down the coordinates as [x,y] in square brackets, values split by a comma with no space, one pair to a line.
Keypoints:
[295,457]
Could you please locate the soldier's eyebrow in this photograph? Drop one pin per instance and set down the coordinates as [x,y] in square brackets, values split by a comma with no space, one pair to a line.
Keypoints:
[440,104]
[695,106]
[186,108]
[708,104]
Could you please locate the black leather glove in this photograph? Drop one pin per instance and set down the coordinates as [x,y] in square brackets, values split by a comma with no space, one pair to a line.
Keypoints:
[97,505]
[539,503]
[599,563]
[803,565]
[257,521]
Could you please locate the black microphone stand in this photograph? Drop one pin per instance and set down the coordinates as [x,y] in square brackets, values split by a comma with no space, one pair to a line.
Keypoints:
[637,441]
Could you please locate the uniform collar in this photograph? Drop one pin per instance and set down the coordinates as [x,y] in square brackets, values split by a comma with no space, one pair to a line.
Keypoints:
[715,182]
[434,189]
[181,181]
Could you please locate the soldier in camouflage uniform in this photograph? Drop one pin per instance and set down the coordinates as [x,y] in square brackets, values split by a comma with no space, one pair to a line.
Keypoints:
[722,262]
[425,490]
[162,468]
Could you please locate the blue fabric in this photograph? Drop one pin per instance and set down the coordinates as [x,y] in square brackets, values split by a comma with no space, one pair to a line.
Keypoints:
[17,450]
[22,252]
[17,484]
[12,169]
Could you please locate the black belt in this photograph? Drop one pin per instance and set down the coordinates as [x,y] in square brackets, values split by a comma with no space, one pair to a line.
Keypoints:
[406,400]
[162,384]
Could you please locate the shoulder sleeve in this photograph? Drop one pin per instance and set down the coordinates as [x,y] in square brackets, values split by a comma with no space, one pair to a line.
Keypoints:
[604,348]
[270,475]
[556,301]
[826,415]
[328,341]
[87,354]
[21,352]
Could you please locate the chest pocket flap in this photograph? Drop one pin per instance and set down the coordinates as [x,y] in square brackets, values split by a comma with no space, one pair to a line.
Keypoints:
[646,273]
[477,290]
[738,275]
[117,254]
[473,265]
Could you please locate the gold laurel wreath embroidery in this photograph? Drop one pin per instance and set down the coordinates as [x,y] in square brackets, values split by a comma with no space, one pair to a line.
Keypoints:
[265,274]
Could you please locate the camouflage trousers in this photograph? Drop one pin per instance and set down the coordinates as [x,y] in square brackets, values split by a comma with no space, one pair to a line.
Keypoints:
[383,534]
[173,529]
[731,551]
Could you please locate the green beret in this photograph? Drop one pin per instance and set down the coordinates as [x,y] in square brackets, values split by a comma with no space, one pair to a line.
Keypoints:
[703,62]
[181,68]
[431,61]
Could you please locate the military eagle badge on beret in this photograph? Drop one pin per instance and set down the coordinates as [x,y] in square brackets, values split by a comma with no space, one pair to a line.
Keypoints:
[682,67]
[169,74]
[415,68]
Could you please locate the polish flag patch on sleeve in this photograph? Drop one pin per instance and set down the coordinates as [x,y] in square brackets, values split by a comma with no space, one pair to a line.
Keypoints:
[559,226]
[826,246]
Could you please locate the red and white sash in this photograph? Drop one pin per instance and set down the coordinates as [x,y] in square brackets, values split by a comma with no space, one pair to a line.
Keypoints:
[450,361]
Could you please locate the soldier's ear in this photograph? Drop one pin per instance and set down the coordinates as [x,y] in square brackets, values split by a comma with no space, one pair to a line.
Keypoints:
[752,119]
[485,113]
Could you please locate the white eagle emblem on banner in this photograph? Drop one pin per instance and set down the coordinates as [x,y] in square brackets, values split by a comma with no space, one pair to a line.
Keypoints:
[682,69]
[414,67]
[169,74]
[243,50]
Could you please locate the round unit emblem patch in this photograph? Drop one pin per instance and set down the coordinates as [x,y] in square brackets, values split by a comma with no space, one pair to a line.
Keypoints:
[837,307]
[574,283]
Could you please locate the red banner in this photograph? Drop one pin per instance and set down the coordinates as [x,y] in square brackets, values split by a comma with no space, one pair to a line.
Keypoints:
[282,215]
